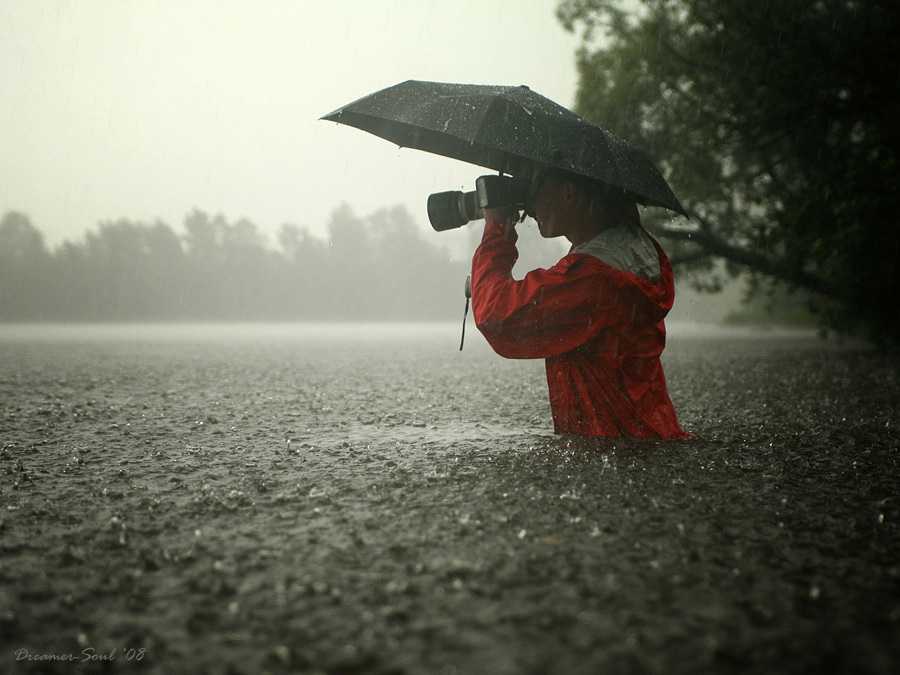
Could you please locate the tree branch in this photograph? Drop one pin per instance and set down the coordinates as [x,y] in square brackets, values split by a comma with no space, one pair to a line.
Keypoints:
[713,245]
[689,258]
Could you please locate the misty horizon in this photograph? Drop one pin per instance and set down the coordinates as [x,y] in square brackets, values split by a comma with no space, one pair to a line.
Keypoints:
[216,269]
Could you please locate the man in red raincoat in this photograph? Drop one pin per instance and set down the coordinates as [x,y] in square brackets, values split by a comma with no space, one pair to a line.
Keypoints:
[597,316]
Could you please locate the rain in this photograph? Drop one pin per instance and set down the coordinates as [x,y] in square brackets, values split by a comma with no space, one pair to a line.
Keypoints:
[239,431]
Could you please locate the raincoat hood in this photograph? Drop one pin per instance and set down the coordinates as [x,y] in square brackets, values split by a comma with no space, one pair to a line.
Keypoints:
[631,249]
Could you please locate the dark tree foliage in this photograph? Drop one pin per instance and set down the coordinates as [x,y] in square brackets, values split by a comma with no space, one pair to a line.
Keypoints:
[373,268]
[777,124]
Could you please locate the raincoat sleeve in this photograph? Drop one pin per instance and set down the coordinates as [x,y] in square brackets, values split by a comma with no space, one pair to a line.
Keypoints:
[549,312]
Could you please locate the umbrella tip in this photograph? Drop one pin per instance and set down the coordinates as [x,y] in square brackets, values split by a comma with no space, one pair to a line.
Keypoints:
[524,86]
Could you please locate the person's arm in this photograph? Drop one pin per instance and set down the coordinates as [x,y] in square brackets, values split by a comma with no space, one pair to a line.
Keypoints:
[547,313]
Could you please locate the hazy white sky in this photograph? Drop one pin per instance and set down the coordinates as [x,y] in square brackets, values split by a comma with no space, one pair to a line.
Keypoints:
[147,108]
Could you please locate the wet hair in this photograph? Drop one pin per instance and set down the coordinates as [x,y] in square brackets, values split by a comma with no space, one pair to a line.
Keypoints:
[600,195]
[597,191]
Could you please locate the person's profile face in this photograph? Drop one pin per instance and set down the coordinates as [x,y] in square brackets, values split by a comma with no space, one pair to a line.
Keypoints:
[550,208]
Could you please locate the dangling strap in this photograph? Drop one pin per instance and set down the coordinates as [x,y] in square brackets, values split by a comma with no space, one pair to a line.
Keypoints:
[468,292]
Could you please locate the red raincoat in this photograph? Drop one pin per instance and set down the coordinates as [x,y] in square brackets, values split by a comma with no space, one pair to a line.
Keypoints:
[600,329]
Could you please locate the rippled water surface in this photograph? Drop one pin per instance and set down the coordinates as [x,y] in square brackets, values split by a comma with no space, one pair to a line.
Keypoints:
[358,498]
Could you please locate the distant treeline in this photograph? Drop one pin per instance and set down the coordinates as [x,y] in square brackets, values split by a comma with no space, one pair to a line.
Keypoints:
[378,267]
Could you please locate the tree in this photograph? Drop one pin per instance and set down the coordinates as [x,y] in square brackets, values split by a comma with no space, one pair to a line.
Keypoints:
[24,264]
[415,278]
[776,124]
[351,269]
[204,241]
[305,271]
[248,278]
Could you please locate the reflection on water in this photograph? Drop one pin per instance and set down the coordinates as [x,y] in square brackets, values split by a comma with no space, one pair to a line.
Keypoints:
[320,331]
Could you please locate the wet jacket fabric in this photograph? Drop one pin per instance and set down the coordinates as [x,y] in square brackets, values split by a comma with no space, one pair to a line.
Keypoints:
[597,317]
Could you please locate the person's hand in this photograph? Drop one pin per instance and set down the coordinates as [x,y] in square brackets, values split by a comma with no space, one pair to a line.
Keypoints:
[506,216]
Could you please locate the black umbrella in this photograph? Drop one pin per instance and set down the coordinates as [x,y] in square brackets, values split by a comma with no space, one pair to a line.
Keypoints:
[509,129]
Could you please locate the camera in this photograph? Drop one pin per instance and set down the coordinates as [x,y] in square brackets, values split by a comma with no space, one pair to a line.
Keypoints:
[452,209]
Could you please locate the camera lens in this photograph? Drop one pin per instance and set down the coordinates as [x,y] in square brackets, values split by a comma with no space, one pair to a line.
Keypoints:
[452,209]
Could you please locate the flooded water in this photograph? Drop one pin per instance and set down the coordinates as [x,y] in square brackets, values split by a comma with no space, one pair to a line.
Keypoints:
[436,332]
[366,498]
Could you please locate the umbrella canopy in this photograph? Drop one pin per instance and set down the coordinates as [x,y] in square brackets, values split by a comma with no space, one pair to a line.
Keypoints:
[509,129]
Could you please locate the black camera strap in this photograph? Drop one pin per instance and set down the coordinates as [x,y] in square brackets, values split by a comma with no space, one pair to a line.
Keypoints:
[468,292]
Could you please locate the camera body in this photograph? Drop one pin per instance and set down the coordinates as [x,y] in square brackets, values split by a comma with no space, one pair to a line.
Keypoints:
[452,209]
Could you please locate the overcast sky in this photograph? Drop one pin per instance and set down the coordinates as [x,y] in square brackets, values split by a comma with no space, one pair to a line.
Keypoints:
[146,109]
